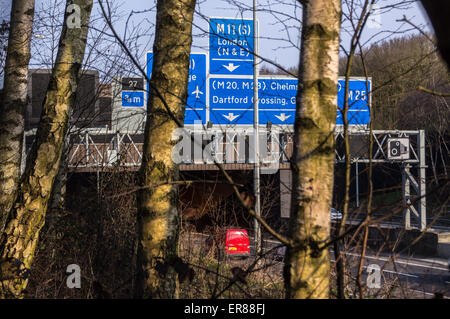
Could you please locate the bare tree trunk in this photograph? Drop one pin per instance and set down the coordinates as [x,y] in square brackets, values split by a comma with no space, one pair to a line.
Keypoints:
[370,196]
[19,241]
[433,165]
[444,164]
[307,268]
[13,103]
[340,228]
[158,220]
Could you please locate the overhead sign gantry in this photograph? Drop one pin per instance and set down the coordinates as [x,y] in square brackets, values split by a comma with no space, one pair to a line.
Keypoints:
[220,89]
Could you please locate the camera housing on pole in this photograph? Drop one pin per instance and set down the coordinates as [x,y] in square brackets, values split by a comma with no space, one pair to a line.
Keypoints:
[398,148]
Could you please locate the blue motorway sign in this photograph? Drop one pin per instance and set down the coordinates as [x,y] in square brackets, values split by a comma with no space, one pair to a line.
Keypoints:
[132,99]
[231,46]
[196,101]
[231,101]
[358,102]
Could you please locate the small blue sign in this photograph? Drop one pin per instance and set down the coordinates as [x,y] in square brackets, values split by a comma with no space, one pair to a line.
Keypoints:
[196,101]
[358,102]
[231,46]
[132,99]
[231,101]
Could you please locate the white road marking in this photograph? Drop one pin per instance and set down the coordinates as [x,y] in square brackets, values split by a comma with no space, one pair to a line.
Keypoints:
[399,273]
[401,262]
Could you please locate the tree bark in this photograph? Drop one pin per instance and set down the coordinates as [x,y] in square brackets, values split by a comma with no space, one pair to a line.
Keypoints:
[307,268]
[19,241]
[158,219]
[13,102]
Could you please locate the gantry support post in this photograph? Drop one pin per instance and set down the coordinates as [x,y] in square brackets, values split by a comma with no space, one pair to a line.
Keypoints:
[422,180]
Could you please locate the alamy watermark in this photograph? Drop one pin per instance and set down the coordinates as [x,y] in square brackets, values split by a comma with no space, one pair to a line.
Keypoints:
[74,18]
[374,276]
[74,276]
[236,146]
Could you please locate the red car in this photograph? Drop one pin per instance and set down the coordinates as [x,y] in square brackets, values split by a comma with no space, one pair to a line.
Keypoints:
[231,242]
[237,242]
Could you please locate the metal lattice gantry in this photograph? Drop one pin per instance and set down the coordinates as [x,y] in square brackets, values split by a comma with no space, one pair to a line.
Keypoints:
[96,148]
[100,148]
[413,166]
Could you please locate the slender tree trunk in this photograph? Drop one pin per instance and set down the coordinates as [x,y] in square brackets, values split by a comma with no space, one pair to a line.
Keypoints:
[433,165]
[444,164]
[12,105]
[158,220]
[340,229]
[307,268]
[361,287]
[20,238]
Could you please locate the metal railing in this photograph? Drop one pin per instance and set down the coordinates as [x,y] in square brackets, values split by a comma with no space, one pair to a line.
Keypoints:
[97,149]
